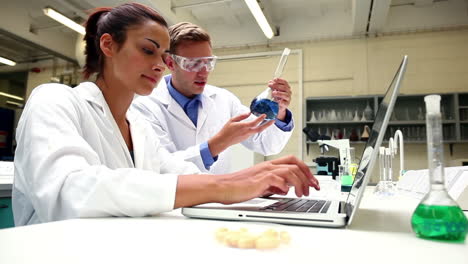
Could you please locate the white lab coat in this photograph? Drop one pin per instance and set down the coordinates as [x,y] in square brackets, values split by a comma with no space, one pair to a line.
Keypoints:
[72,161]
[179,135]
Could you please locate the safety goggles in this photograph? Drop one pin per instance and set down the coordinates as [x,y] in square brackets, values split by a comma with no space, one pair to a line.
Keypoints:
[195,64]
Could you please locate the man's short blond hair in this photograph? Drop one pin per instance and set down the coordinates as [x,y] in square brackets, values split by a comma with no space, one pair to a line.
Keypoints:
[186,32]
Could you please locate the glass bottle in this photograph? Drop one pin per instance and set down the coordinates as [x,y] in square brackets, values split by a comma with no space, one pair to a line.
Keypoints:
[264,103]
[437,216]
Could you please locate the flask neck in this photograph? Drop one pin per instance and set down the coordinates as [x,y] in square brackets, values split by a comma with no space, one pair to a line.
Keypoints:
[438,195]
[435,148]
[266,94]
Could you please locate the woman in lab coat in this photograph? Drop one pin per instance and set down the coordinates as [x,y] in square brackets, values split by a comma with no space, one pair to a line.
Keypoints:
[81,153]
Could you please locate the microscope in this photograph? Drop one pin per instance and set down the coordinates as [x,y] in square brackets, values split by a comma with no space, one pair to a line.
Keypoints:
[327,165]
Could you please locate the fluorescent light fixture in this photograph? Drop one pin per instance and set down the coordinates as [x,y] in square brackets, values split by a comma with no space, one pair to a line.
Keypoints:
[12,96]
[20,105]
[64,20]
[260,17]
[7,61]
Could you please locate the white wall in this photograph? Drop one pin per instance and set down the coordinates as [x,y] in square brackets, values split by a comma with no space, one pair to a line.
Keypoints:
[438,63]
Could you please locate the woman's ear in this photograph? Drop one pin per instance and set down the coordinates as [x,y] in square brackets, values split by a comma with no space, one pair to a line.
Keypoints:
[106,44]
[169,62]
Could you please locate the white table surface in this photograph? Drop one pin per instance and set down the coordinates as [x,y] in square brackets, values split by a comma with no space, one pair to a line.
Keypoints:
[381,233]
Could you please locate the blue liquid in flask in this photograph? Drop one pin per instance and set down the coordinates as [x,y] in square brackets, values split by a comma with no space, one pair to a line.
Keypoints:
[264,106]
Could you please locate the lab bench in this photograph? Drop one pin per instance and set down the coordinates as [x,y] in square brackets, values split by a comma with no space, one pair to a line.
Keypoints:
[380,233]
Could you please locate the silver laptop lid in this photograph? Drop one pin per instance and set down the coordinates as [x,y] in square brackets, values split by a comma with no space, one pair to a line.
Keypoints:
[375,140]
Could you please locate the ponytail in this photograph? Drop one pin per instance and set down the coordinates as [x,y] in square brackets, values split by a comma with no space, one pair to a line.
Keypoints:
[93,51]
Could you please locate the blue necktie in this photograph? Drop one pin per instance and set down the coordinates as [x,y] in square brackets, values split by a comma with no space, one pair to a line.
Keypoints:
[191,109]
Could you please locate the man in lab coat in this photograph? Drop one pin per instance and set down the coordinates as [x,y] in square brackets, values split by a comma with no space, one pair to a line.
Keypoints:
[199,122]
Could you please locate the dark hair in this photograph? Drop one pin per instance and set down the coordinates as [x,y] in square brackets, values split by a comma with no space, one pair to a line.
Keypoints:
[185,31]
[114,21]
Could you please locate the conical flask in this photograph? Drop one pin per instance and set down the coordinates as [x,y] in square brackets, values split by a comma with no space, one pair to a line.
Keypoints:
[264,103]
[437,216]
[365,133]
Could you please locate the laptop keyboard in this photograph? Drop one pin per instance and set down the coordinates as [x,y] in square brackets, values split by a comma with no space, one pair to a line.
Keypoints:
[299,205]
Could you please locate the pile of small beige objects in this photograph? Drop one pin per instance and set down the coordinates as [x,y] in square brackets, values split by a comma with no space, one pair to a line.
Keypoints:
[242,238]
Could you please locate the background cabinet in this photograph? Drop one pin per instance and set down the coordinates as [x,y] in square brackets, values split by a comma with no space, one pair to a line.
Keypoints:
[346,117]
[340,117]
[463,116]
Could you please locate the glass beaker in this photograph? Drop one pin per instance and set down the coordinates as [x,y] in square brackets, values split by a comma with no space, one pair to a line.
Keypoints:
[346,178]
[264,103]
[437,216]
[353,165]
[385,187]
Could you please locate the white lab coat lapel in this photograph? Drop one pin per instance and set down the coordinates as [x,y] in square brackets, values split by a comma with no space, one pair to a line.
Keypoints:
[162,93]
[93,94]
[207,106]
[139,138]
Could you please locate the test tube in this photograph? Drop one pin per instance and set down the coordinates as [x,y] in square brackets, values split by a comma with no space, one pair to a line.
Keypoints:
[389,164]
[383,170]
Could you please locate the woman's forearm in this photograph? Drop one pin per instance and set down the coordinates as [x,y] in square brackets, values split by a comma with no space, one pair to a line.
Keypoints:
[197,189]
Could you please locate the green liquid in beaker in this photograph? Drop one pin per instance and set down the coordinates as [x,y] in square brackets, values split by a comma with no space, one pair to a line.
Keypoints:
[440,222]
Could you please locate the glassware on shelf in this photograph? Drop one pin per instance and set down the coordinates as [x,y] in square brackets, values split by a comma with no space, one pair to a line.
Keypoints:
[363,118]
[368,113]
[332,116]
[323,116]
[338,134]
[437,216]
[356,116]
[365,133]
[420,114]
[354,135]
[463,114]
[312,117]
[264,103]
[339,116]
[406,116]
[442,112]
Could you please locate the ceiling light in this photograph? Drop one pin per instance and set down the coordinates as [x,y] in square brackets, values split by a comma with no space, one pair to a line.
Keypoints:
[20,105]
[64,20]
[260,17]
[11,96]
[7,61]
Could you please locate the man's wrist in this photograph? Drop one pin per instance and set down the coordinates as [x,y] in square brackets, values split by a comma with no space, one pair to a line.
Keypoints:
[215,145]
[281,115]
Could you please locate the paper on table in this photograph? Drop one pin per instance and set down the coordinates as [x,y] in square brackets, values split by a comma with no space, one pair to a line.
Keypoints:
[416,182]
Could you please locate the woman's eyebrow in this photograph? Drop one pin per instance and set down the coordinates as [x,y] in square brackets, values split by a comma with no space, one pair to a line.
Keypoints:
[154,42]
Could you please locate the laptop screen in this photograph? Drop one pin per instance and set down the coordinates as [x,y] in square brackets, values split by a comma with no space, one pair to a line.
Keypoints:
[371,150]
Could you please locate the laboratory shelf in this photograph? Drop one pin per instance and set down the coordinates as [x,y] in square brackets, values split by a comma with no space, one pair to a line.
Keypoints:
[341,122]
[339,115]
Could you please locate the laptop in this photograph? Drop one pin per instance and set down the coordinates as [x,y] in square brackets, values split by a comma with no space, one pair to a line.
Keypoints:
[313,212]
